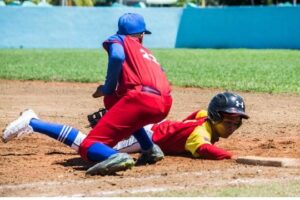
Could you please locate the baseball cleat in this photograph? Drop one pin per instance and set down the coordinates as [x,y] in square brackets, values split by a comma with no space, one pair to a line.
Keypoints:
[151,156]
[20,126]
[116,162]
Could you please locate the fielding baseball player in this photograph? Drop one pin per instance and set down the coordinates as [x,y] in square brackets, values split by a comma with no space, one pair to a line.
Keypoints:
[198,132]
[136,93]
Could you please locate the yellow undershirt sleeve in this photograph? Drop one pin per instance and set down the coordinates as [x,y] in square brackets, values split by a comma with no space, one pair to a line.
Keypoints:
[200,135]
[201,113]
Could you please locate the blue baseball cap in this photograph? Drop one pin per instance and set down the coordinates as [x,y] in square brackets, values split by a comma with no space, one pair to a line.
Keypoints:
[132,23]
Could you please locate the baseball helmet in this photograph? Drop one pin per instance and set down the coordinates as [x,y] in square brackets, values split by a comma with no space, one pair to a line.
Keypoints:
[226,102]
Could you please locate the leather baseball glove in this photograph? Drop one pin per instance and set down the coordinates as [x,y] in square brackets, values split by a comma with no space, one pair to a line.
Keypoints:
[95,117]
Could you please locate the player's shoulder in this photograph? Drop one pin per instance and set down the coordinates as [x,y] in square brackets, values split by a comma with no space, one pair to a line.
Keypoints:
[201,114]
[115,38]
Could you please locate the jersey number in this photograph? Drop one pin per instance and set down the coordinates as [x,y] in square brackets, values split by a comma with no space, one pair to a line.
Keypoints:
[148,56]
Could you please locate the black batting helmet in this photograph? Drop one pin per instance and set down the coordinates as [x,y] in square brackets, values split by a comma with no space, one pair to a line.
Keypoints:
[226,102]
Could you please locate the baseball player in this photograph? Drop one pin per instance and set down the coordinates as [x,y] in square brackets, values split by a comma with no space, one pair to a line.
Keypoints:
[136,93]
[198,132]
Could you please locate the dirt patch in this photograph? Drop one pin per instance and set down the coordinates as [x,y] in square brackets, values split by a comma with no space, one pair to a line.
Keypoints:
[40,166]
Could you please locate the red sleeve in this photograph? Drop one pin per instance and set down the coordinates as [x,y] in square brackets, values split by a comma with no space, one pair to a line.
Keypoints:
[208,151]
[191,116]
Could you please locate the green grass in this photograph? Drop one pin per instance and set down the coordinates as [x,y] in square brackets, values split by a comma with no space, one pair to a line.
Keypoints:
[53,65]
[282,189]
[273,71]
[246,70]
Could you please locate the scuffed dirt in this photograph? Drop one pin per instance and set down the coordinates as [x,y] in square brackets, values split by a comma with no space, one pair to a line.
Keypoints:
[36,165]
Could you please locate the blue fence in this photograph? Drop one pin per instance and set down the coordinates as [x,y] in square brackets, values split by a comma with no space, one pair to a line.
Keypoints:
[79,27]
[240,27]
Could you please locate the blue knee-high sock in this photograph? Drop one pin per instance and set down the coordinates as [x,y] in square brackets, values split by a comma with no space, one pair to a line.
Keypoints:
[63,133]
[73,138]
[98,152]
[144,140]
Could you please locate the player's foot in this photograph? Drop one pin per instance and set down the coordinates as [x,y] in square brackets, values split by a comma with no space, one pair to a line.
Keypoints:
[116,162]
[151,156]
[20,126]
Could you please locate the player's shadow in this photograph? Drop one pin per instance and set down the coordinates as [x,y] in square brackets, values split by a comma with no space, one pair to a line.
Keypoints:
[185,155]
[76,163]
[17,154]
[80,165]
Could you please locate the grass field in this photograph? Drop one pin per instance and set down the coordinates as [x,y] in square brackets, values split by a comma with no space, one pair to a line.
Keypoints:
[272,71]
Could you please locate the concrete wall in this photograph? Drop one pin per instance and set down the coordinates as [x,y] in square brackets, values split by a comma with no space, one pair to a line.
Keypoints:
[240,27]
[78,27]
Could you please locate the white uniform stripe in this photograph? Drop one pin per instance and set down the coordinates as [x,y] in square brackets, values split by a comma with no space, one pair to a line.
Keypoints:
[67,133]
[64,133]
[61,133]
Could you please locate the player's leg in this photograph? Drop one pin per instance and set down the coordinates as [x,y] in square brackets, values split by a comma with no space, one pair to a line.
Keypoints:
[140,134]
[63,133]
[29,122]
[131,145]
[127,116]
[152,109]
[143,139]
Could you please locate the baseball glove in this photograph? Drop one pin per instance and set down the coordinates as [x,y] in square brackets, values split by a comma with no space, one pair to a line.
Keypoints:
[95,117]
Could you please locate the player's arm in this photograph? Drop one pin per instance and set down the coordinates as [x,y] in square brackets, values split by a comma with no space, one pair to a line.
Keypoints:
[212,152]
[115,61]
[199,144]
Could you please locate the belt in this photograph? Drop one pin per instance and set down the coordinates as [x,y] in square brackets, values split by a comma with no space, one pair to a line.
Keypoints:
[151,90]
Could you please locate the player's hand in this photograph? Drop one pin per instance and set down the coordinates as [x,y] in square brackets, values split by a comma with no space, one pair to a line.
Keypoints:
[98,93]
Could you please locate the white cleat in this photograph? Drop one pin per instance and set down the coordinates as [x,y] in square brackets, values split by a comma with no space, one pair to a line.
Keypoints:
[20,126]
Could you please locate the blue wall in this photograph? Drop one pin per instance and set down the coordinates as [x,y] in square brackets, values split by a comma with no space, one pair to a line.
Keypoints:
[240,27]
[79,27]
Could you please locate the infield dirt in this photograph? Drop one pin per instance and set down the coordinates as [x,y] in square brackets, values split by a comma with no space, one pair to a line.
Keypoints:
[36,165]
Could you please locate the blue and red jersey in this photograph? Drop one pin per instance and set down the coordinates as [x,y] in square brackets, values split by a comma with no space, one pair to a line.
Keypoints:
[136,93]
[139,68]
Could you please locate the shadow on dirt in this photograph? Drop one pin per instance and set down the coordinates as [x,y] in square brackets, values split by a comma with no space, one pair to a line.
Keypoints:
[59,153]
[18,154]
[76,163]
[80,165]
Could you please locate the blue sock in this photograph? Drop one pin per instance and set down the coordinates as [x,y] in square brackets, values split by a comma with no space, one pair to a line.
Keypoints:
[144,140]
[98,152]
[63,133]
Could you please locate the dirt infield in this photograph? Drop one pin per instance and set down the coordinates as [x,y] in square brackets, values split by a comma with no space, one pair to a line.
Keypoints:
[39,166]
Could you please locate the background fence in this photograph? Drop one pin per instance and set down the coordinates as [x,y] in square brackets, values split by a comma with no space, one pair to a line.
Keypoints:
[240,27]
[81,27]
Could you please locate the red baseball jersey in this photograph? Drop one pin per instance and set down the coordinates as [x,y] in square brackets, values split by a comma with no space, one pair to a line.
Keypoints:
[142,97]
[140,68]
[185,136]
